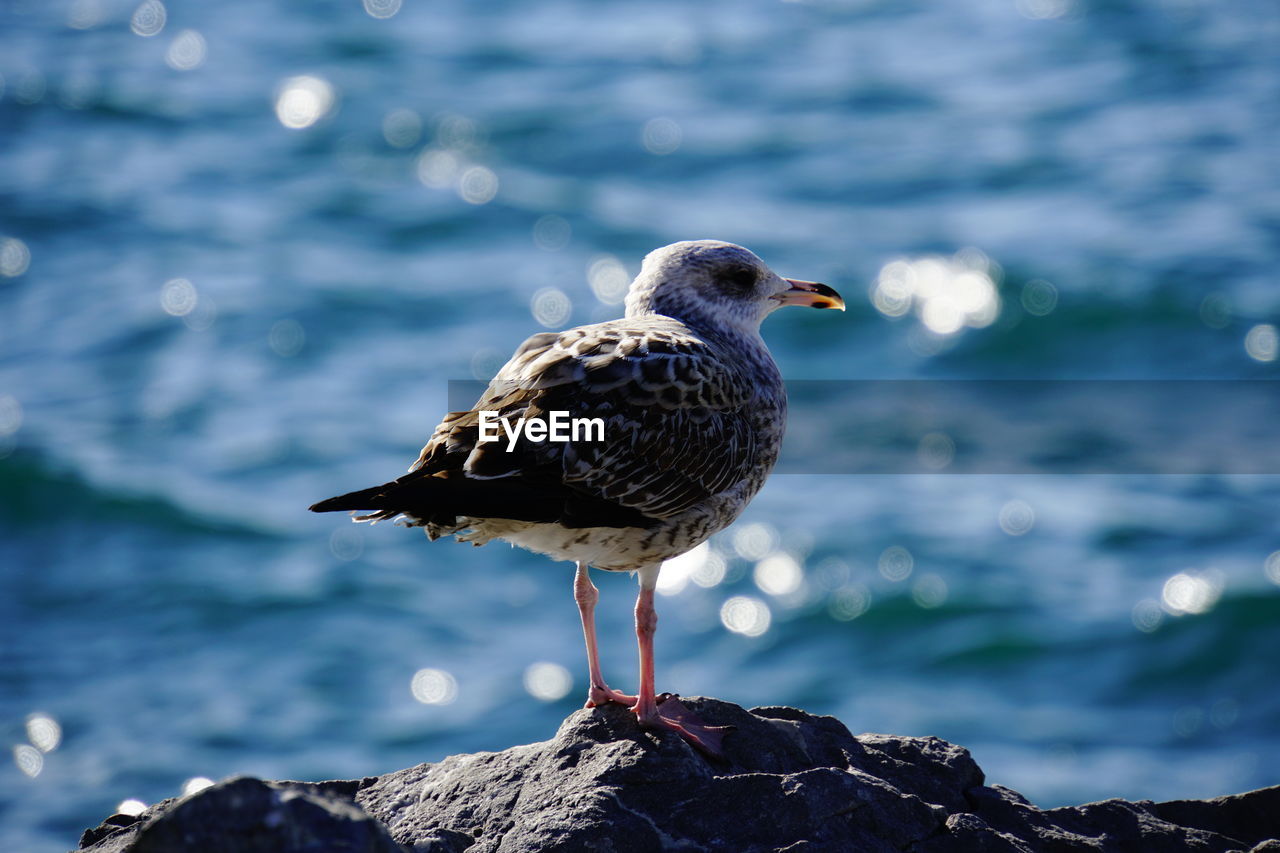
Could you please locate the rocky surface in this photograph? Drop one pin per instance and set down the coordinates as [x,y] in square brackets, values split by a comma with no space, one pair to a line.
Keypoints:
[789,781]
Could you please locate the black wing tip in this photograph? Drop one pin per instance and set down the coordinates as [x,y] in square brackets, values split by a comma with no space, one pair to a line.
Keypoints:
[444,500]
[363,499]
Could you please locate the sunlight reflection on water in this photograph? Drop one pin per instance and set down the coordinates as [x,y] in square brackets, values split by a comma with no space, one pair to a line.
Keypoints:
[434,687]
[131,807]
[195,784]
[896,563]
[678,571]
[1262,342]
[44,732]
[1192,592]
[947,294]
[186,52]
[302,101]
[28,759]
[15,257]
[778,575]
[746,614]
[149,18]
[549,682]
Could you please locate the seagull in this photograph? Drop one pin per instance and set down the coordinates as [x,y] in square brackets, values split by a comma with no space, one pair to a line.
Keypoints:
[693,411]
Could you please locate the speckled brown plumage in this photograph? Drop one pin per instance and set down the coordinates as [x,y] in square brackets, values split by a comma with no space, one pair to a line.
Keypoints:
[693,409]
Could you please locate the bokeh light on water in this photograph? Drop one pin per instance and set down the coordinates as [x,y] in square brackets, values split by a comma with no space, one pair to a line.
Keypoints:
[849,602]
[178,297]
[712,571]
[746,615]
[287,338]
[947,294]
[457,132]
[186,52]
[661,136]
[382,8]
[1191,592]
[195,785]
[478,185]
[149,18]
[896,563]
[1147,615]
[304,100]
[929,591]
[551,232]
[131,807]
[551,307]
[754,541]
[936,451]
[84,14]
[15,257]
[432,686]
[1017,518]
[547,681]
[44,732]
[1039,297]
[778,575]
[1272,567]
[29,760]
[437,168]
[609,279]
[1262,343]
[402,128]
[678,571]
[10,415]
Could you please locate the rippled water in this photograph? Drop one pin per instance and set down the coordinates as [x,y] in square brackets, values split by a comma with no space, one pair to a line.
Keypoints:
[246,245]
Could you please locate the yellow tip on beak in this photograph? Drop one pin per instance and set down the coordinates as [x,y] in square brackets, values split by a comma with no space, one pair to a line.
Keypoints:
[809,293]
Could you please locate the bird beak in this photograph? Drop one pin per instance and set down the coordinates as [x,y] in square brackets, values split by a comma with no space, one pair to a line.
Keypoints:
[809,293]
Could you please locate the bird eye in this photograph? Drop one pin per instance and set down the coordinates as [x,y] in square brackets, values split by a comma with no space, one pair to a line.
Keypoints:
[738,281]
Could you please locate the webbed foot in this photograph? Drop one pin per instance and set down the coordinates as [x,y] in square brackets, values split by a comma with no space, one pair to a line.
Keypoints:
[672,714]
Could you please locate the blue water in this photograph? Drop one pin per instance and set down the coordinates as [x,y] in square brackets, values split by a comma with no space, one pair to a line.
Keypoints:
[1107,166]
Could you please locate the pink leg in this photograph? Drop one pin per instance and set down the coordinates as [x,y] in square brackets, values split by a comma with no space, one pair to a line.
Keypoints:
[586,594]
[646,626]
[666,712]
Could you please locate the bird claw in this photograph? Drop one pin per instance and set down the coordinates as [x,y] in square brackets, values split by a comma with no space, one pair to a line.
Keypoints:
[672,714]
[598,696]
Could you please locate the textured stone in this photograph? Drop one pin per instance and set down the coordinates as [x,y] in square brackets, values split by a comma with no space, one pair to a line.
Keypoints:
[790,781]
[249,816]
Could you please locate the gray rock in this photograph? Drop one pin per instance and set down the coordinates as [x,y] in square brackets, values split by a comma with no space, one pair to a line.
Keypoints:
[248,816]
[789,781]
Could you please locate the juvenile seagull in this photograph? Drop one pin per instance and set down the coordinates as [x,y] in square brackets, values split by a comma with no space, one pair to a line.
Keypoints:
[693,409]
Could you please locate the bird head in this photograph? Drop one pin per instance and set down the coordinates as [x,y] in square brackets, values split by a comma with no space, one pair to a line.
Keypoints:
[708,282]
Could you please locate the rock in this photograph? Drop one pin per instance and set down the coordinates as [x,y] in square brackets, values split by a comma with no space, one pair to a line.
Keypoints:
[790,781]
[249,816]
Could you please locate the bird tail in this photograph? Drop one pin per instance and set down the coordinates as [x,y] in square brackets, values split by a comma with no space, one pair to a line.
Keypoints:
[373,498]
[442,499]
[439,499]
